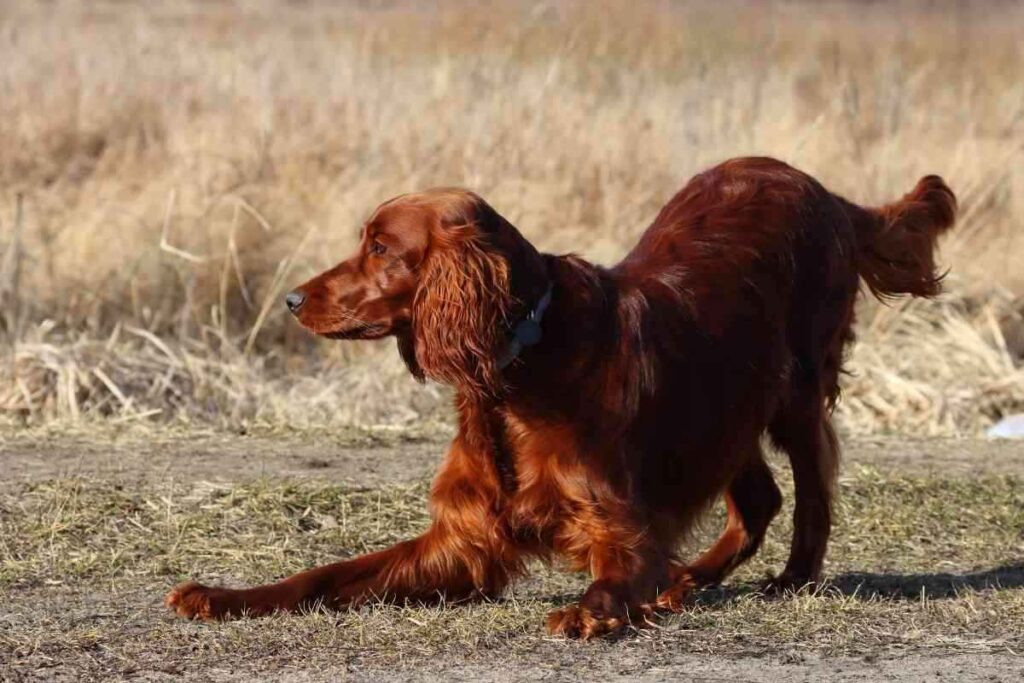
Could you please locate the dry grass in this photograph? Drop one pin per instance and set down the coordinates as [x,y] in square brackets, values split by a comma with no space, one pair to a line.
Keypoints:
[107,552]
[74,530]
[169,168]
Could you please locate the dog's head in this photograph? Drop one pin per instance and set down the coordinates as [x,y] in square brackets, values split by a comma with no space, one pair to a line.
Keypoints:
[442,271]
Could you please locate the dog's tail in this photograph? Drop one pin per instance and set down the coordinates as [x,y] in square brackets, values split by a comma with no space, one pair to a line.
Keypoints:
[896,242]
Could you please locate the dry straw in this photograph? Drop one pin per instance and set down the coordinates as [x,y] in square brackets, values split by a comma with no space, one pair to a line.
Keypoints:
[182,164]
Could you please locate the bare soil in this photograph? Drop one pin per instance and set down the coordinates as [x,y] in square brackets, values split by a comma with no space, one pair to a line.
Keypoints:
[371,460]
[357,460]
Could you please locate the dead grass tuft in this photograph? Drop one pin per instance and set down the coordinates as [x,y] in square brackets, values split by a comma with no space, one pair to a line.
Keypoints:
[169,168]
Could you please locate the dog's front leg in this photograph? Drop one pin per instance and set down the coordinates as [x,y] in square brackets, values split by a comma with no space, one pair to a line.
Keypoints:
[426,569]
[399,572]
[464,553]
[627,576]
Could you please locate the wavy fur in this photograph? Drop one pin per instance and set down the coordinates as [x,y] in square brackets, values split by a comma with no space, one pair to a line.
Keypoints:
[645,401]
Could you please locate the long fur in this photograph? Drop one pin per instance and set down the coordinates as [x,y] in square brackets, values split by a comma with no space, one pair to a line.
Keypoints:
[897,241]
[645,401]
[460,321]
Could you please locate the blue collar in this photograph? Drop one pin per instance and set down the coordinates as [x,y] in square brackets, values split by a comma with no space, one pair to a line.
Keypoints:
[527,331]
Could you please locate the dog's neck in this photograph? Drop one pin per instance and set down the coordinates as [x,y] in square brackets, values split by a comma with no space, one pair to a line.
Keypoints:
[528,331]
[573,358]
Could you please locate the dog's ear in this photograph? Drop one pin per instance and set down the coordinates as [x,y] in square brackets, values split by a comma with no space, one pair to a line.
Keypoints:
[480,276]
[461,311]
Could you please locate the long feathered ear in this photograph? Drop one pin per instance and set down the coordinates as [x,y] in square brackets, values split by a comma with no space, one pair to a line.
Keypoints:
[461,311]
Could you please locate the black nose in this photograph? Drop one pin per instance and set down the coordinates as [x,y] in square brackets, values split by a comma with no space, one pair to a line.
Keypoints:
[294,301]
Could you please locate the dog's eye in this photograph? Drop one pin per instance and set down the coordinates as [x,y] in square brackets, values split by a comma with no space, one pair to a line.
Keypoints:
[377,248]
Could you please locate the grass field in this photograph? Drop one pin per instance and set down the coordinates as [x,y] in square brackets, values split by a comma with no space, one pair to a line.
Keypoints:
[926,570]
[168,169]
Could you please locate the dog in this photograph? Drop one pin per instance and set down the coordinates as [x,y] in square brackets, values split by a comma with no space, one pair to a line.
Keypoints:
[602,410]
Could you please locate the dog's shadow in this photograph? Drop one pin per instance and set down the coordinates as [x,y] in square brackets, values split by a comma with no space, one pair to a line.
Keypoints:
[862,586]
[873,586]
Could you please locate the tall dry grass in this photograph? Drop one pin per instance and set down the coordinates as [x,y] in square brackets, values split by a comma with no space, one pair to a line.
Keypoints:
[168,169]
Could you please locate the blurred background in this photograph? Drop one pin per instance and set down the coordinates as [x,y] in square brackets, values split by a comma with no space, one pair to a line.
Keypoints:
[169,169]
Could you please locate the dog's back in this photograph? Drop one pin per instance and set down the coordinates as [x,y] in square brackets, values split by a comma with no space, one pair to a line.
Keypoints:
[750,277]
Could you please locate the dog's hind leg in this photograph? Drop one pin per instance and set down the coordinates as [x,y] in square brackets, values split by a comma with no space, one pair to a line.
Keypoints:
[805,433]
[752,500]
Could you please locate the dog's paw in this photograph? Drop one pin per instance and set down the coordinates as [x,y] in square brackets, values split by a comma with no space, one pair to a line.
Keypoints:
[194,601]
[787,583]
[582,623]
[680,594]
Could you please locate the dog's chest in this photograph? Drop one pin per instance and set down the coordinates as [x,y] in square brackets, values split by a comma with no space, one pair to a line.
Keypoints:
[549,478]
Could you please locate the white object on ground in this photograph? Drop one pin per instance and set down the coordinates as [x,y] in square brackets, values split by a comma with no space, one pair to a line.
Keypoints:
[1010,427]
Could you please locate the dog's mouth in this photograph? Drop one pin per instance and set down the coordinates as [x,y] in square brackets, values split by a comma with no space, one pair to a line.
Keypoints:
[361,331]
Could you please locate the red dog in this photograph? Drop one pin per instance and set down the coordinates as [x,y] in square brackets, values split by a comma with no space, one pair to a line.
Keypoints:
[602,410]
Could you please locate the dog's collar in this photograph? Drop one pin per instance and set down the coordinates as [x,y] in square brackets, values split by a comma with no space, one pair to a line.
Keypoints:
[527,332]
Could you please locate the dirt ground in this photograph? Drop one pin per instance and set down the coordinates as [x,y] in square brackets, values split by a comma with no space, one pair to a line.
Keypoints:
[368,460]
[927,565]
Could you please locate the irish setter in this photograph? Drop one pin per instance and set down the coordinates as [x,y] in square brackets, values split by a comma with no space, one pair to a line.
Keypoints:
[601,410]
